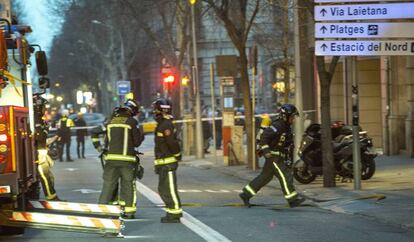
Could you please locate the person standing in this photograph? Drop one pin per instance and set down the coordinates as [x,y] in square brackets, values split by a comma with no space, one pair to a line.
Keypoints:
[219,128]
[275,144]
[122,138]
[167,154]
[80,135]
[206,134]
[44,163]
[63,131]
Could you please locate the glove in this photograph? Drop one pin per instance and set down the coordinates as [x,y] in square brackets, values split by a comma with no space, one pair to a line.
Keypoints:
[268,155]
[139,171]
[179,157]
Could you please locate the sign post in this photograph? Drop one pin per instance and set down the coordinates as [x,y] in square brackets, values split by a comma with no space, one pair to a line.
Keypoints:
[123,88]
[401,44]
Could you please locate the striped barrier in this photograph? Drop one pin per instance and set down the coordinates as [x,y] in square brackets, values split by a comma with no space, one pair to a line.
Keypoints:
[97,209]
[65,222]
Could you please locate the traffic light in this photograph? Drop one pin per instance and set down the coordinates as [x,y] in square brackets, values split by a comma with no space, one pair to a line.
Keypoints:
[168,78]
[184,81]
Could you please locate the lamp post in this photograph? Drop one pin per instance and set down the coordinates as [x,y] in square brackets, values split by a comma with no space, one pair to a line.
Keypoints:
[199,134]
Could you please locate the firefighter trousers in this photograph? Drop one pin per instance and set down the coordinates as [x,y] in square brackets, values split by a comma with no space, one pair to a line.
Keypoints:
[273,167]
[167,188]
[47,180]
[113,171]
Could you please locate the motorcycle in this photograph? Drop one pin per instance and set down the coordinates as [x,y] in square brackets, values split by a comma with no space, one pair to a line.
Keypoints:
[309,166]
[53,147]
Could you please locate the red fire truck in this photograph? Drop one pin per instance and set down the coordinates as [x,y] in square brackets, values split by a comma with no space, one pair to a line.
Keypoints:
[20,206]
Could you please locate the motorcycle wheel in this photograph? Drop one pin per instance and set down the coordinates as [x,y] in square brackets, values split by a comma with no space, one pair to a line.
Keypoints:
[368,168]
[301,173]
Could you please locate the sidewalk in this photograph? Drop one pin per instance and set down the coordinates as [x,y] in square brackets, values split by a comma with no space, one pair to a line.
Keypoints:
[387,197]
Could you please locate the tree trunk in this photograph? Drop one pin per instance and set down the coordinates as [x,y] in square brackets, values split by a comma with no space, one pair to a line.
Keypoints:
[247,104]
[327,149]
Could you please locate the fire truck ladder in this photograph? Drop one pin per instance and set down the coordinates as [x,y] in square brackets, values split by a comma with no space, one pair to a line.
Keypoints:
[67,216]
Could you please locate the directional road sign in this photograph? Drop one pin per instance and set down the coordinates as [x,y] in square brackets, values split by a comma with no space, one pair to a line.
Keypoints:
[353,1]
[123,87]
[364,30]
[364,11]
[364,48]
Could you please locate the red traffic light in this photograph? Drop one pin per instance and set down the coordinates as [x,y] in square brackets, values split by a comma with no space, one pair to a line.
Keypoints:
[169,78]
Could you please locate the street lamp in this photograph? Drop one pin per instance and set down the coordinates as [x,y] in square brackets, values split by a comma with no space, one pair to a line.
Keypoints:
[199,133]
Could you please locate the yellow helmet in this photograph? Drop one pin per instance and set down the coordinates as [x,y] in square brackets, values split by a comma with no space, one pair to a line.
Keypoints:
[266,120]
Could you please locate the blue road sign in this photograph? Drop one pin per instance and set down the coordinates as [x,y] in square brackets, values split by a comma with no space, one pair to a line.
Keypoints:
[123,87]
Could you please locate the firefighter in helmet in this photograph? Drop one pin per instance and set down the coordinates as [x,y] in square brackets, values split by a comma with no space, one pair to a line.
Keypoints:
[43,161]
[64,125]
[167,154]
[122,137]
[275,145]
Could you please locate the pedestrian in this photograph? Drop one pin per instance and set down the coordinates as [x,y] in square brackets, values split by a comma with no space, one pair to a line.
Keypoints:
[64,134]
[44,163]
[275,143]
[122,138]
[206,134]
[167,154]
[218,124]
[80,135]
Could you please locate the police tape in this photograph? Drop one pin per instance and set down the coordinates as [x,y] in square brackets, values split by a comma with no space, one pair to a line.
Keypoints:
[191,120]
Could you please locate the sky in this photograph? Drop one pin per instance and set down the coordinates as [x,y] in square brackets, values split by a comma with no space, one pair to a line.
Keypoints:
[42,20]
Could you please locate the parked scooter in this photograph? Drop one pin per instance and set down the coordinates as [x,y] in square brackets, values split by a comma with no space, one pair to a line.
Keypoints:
[53,147]
[309,165]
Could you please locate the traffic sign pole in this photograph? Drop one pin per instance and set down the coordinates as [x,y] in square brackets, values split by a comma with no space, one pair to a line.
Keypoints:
[355,126]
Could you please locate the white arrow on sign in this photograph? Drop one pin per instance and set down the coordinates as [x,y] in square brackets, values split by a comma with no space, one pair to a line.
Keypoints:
[363,48]
[364,30]
[364,11]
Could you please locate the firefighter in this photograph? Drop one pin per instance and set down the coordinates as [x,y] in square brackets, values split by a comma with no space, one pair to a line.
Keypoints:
[122,137]
[64,125]
[43,161]
[97,135]
[167,154]
[275,144]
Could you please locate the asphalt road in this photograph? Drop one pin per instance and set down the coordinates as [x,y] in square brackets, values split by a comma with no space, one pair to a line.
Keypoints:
[213,211]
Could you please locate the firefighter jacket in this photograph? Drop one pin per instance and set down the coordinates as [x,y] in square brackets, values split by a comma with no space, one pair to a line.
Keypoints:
[64,127]
[276,139]
[167,148]
[122,137]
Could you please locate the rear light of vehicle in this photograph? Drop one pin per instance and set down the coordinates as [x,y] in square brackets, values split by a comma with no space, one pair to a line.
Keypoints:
[3,158]
[4,189]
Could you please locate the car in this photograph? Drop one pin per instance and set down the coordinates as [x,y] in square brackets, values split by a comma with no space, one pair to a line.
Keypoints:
[91,119]
[149,125]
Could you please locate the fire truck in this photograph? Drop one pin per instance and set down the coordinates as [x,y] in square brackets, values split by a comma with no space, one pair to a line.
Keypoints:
[20,206]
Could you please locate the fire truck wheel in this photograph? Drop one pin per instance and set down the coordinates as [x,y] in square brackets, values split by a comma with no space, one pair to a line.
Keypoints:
[8,230]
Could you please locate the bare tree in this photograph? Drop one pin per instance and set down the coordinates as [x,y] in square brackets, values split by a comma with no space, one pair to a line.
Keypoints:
[238,17]
[165,23]
[325,79]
